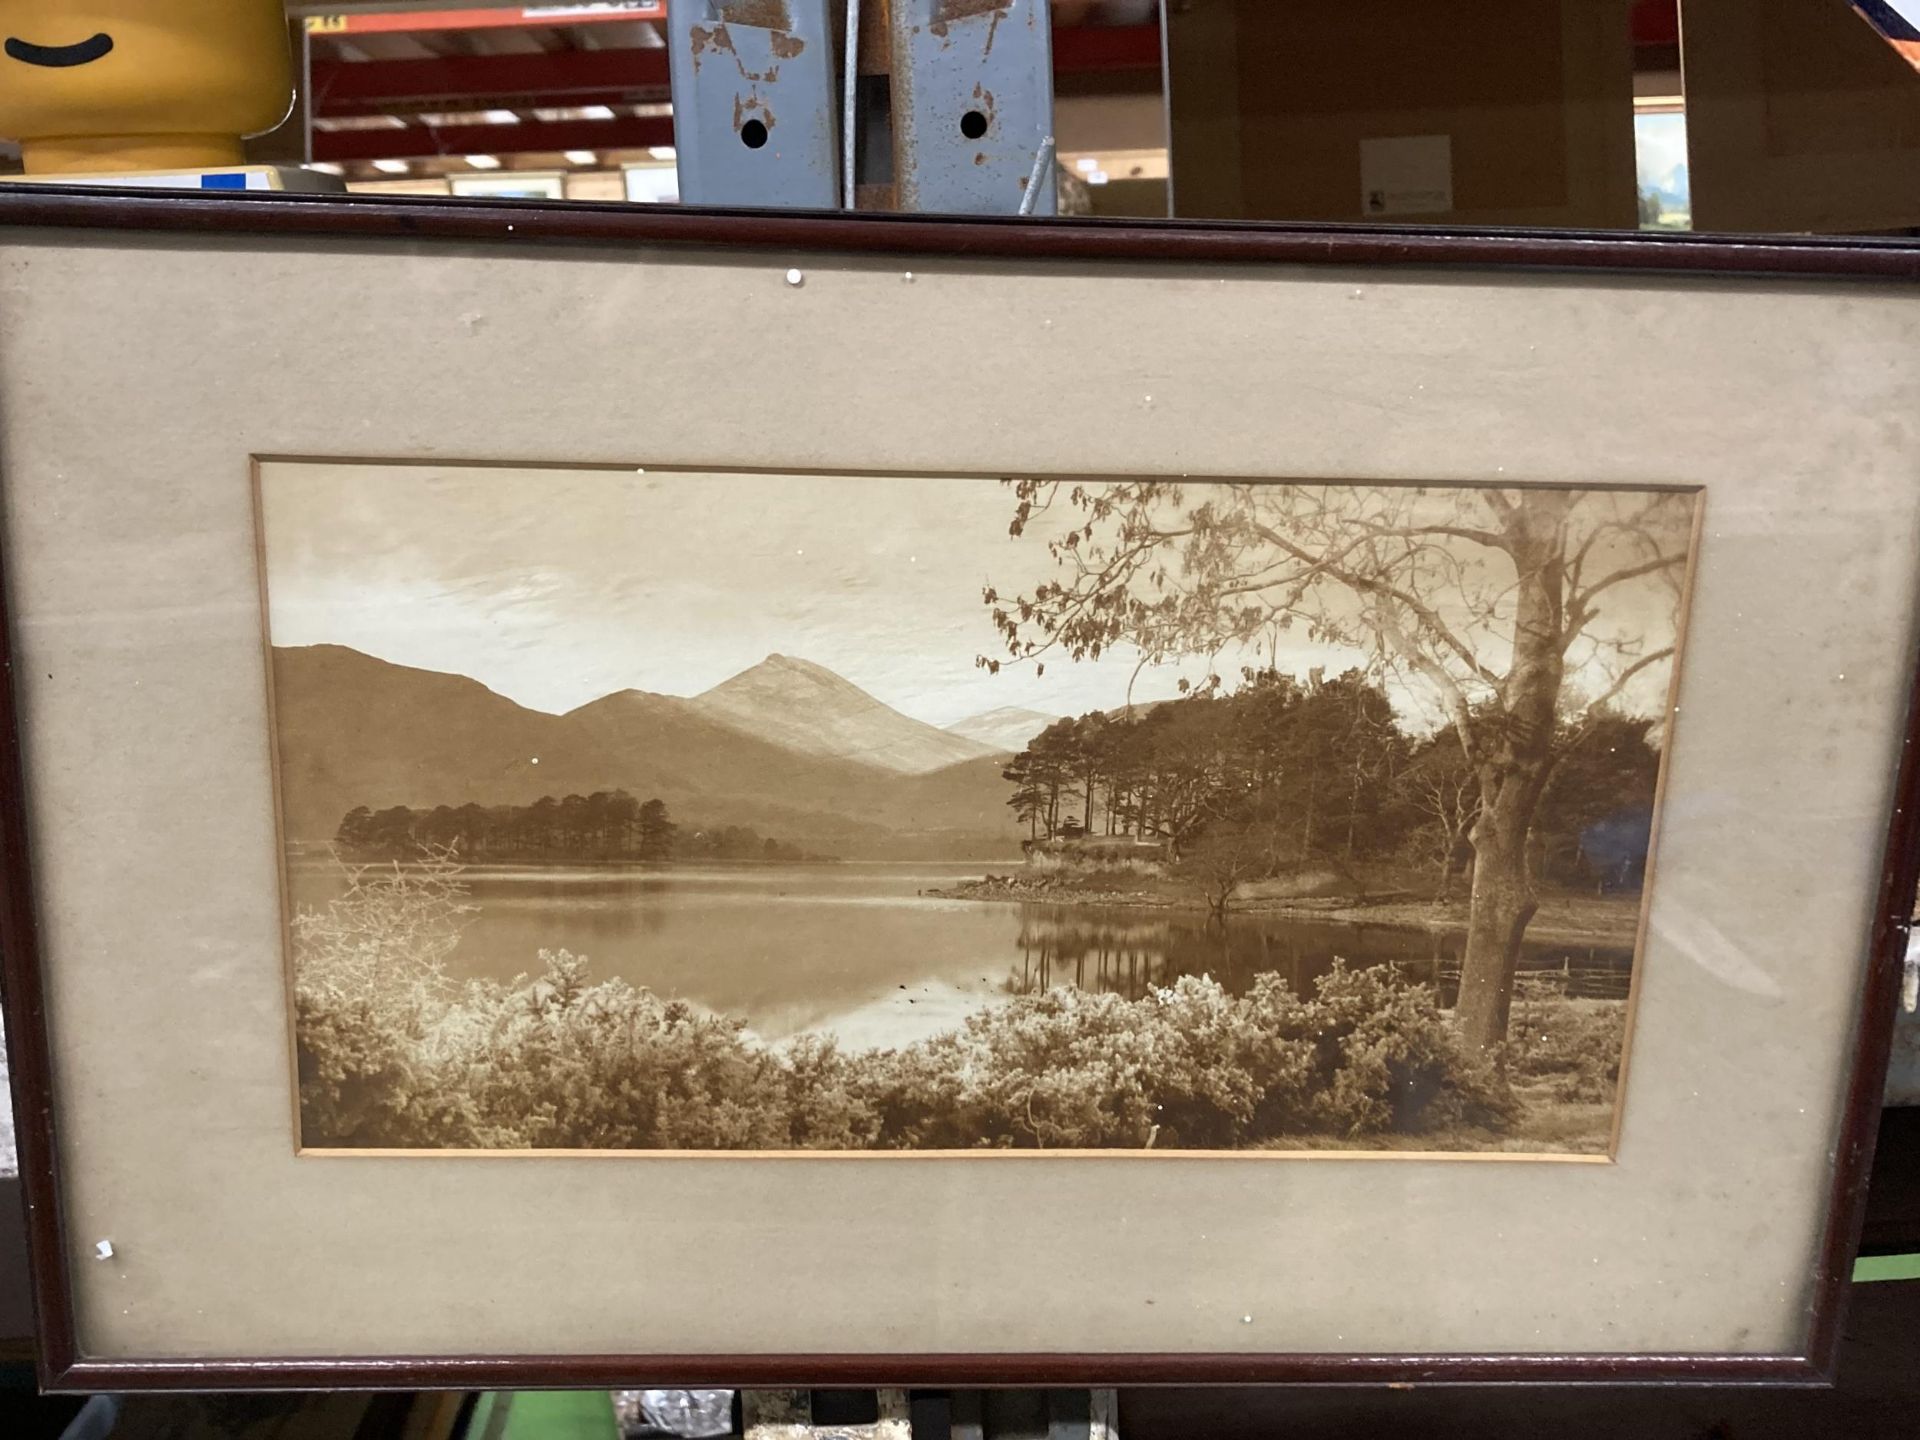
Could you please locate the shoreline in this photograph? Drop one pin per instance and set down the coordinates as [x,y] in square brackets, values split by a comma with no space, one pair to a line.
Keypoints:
[1562,920]
[549,862]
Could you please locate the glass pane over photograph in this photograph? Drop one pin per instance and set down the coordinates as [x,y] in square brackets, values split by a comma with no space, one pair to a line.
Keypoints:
[642,810]
[1778,117]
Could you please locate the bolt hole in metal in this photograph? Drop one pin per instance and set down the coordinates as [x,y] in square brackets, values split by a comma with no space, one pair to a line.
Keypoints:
[753,134]
[973,124]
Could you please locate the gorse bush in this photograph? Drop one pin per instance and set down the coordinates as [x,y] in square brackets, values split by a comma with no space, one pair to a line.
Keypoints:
[559,1064]
[388,936]
[562,1062]
[563,1065]
[1570,1049]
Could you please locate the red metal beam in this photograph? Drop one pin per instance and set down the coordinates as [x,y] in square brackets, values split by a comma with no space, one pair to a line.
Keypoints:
[347,87]
[1656,22]
[385,22]
[415,141]
[1104,49]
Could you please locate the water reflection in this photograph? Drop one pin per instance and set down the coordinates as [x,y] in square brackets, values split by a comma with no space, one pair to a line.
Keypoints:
[1127,952]
[863,946]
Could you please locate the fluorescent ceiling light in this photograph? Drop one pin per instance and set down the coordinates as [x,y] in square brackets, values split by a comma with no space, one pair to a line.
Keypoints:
[663,152]
[392,167]
[359,122]
[501,117]
[581,157]
[484,162]
[596,112]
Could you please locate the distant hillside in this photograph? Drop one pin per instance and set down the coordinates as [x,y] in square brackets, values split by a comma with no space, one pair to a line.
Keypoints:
[808,708]
[356,730]
[1008,729]
[353,730]
[1676,191]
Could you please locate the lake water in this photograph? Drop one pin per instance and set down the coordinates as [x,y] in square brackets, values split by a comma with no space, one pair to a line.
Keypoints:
[861,950]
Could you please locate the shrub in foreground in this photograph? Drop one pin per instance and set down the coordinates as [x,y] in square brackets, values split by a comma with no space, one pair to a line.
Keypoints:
[561,1063]
[1570,1049]
[392,1054]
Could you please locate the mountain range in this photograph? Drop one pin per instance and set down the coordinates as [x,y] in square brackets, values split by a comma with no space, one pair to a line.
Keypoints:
[1007,730]
[787,747]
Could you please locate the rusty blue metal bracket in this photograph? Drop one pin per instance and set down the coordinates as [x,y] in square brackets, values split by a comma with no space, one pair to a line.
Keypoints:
[756,102]
[767,107]
[973,106]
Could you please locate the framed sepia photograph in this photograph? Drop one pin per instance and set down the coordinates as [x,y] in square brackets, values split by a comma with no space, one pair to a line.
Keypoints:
[1251,860]
[599,794]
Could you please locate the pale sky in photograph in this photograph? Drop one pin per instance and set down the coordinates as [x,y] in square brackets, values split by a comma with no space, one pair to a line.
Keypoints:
[556,587]
[1660,146]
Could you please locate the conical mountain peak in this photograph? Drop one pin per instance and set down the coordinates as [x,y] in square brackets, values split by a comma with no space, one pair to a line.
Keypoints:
[807,707]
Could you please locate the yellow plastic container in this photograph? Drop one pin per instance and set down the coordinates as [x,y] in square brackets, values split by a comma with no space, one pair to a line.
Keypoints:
[90,86]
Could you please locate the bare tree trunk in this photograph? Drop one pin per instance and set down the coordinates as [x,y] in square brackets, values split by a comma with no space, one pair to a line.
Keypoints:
[1514,761]
[1502,903]
[1353,806]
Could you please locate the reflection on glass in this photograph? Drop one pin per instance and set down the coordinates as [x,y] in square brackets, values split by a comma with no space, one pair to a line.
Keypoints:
[1660,165]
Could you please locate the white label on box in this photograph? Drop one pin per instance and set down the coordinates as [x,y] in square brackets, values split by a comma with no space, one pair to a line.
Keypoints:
[1406,175]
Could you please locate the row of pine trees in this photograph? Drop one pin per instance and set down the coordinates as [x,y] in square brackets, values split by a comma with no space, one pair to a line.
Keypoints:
[1327,771]
[604,826]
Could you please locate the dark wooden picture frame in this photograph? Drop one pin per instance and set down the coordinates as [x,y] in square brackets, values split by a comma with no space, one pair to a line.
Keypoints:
[540,224]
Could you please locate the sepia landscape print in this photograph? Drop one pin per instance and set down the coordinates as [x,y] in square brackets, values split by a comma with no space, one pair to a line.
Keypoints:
[673,811]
